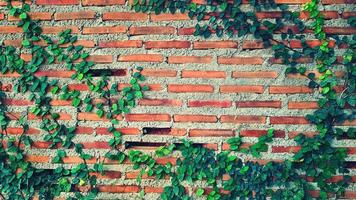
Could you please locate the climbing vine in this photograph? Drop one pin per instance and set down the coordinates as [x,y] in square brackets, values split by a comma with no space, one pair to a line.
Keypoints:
[225,174]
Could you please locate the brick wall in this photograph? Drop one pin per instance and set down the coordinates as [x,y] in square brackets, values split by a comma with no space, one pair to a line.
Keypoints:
[204,90]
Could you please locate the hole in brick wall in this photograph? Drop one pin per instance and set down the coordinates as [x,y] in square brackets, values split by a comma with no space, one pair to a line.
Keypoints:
[133,145]
[156,131]
[351,164]
[107,72]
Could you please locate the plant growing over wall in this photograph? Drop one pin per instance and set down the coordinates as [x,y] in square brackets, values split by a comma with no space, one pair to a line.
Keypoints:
[227,175]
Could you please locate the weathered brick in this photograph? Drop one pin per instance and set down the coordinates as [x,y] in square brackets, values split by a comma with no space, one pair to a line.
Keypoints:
[58,2]
[167,44]
[152,30]
[159,72]
[160,102]
[182,88]
[203,74]
[289,89]
[255,74]
[169,17]
[118,188]
[210,103]
[121,44]
[147,117]
[259,104]
[214,44]
[125,16]
[288,120]
[211,133]
[258,133]
[240,60]
[189,59]
[195,118]
[102,2]
[242,89]
[104,30]
[302,105]
[141,58]
[243,119]
[74,15]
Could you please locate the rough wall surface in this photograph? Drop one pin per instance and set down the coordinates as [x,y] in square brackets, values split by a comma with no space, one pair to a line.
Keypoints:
[204,90]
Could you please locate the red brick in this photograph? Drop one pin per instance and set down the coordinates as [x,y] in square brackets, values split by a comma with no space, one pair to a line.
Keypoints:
[210,103]
[2,16]
[10,29]
[149,189]
[121,44]
[259,104]
[340,30]
[214,44]
[258,133]
[102,2]
[159,73]
[189,59]
[186,31]
[152,30]
[100,58]
[195,118]
[242,119]
[326,14]
[285,149]
[255,74]
[18,102]
[240,60]
[203,74]
[147,117]
[125,16]
[248,44]
[90,117]
[160,102]
[211,133]
[141,58]
[272,14]
[84,130]
[152,87]
[302,105]
[183,88]
[62,116]
[123,131]
[289,89]
[347,15]
[74,15]
[242,89]
[119,188]
[43,16]
[167,44]
[104,30]
[58,29]
[169,17]
[107,175]
[57,2]
[55,73]
[18,131]
[288,120]
[37,159]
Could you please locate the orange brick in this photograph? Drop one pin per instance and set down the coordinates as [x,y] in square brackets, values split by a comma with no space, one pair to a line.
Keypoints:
[10,29]
[248,44]
[240,60]
[169,17]
[288,120]
[58,29]
[159,73]
[167,44]
[258,133]
[302,105]
[147,117]
[18,102]
[152,30]
[255,74]
[203,74]
[43,16]
[62,116]
[123,131]
[118,188]
[57,2]
[121,44]
[125,16]
[104,30]
[195,118]
[160,102]
[100,58]
[210,103]
[289,89]
[242,89]
[37,159]
[183,88]
[214,44]
[243,119]
[149,189]
[259,104]
[2,16]
[326,15]
[189,59]
[141,58]
[107,175]
[211,133]
[102,2]
[74,15]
